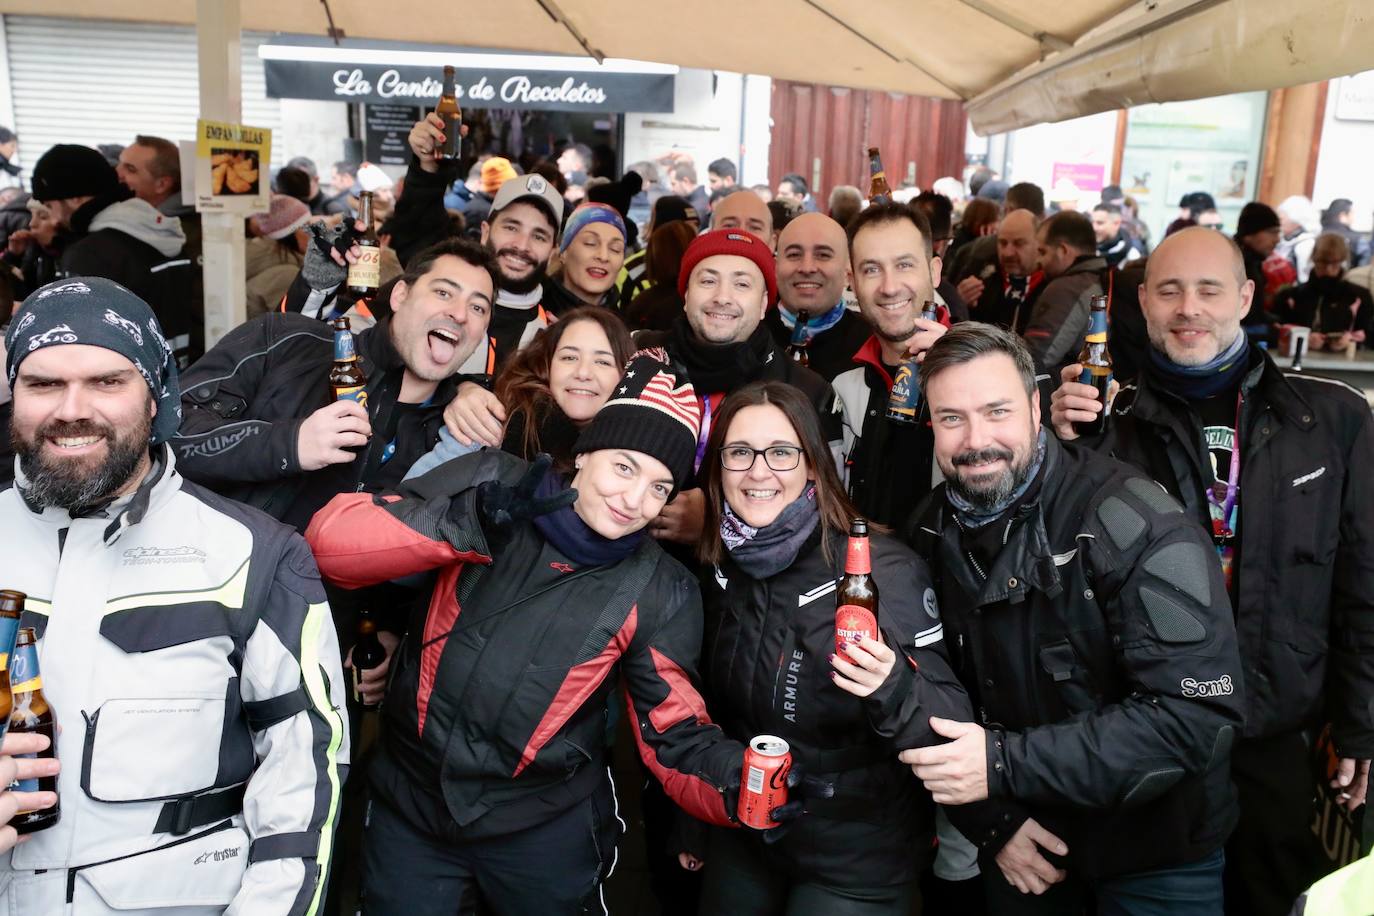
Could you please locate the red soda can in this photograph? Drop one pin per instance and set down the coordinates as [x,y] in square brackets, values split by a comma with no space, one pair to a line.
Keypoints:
[763,786]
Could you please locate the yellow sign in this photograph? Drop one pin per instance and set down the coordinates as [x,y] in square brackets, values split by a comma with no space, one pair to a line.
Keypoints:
[232,167]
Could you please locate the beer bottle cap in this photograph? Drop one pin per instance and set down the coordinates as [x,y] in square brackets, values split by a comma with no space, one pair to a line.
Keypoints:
[12,601]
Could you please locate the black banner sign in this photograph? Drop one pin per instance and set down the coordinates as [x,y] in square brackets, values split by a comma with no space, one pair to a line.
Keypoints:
[546,90]
[387,128]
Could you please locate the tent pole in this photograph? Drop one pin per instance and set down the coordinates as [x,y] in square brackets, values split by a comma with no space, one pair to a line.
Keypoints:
[221,99]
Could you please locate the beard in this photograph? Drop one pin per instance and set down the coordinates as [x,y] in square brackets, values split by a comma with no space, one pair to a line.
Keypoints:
[988,494]
[518,286]
[72,484]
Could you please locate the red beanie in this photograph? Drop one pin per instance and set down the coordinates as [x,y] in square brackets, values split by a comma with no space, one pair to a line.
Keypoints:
[730,241]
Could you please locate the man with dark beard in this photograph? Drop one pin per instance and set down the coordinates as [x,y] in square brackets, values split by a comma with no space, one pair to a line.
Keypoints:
[1276,465]
[1088,620]
[194,628]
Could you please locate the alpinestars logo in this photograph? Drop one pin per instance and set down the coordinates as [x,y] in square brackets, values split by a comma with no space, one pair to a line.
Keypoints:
[162,556]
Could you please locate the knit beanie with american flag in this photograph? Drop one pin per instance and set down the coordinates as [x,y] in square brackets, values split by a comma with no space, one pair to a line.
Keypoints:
[652,410]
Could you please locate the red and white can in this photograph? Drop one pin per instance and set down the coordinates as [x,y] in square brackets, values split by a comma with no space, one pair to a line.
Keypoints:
[763,785]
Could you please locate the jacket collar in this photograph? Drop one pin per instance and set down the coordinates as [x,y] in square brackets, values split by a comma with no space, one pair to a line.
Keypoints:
[1026,561]
[157,487]
[871,355]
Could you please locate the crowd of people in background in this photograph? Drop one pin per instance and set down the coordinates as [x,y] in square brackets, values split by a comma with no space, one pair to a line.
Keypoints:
[614,432]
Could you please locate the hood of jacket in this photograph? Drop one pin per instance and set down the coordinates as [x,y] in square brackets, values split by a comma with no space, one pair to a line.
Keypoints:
[140,219]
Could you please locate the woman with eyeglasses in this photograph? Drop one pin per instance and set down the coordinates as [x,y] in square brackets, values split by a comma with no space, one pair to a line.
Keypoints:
[777,520]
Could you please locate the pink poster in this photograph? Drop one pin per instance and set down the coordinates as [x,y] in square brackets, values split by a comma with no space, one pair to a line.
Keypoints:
[1085,175]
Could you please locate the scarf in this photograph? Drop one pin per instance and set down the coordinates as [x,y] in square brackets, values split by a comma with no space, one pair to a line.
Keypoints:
[714,368]
[972,517]
[764,552]
[520,300]
[1197,383]
[572,537]
[817,324]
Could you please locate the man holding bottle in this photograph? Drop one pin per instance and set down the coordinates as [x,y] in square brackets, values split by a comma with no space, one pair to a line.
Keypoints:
[169,619]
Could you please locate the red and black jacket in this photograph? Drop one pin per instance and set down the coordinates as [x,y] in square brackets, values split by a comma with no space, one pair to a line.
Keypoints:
[495,717]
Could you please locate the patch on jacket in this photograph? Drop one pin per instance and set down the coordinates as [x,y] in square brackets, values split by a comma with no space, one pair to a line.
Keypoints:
[1221,687]
[1299,481]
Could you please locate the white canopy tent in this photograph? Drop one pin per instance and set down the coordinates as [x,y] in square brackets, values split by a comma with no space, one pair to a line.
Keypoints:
[1013,63]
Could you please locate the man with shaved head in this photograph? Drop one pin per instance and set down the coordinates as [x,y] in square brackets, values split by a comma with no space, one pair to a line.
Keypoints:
[744,211]
[1275,464]
[813,259]
[1005,295]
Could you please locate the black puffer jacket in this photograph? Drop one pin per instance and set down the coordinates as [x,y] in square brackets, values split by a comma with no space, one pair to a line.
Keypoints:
[1099,651]
[1305,581]
[766,670]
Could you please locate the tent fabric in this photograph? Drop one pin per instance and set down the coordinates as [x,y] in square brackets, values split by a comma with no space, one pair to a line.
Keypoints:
[1012,63]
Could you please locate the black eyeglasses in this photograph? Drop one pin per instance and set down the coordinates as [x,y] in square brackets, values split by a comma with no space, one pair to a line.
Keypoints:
[777,457]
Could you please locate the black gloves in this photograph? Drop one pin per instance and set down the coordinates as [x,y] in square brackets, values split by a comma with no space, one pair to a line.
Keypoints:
[501,505]
[801,788]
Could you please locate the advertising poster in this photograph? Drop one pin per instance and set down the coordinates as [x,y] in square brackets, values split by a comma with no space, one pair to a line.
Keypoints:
[233,167]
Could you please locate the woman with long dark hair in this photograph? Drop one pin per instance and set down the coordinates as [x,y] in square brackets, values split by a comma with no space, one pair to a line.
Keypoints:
[552,388]
[777,519]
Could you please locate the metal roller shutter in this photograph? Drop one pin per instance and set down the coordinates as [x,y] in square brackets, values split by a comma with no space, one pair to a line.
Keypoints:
[92,82]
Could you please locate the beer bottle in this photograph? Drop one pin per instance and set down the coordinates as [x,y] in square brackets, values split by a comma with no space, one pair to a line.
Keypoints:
[365,274]
[904,400]
[856,598]
[11,609]
[878,191]
[1097,365]
[797,350]
[367,654]
[31,713]
[347,381]
[448,109]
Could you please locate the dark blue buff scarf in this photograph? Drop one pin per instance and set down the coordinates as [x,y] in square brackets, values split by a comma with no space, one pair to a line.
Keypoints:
[100,313]
[572,537]
[1197,383]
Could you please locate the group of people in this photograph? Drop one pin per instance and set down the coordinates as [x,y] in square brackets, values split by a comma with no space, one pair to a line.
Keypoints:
[1113,673]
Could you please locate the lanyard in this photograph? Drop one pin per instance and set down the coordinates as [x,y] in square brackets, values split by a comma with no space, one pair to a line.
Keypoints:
[705,431]
[1222,499]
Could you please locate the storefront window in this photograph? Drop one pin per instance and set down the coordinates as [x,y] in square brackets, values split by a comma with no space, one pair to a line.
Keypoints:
[1210,145]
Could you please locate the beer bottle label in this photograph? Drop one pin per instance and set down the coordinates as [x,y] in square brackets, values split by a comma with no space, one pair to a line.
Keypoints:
[853,622]
[352,393]
[24,785]
[357,685]
[367,270]
[24,676]
[905,396]
[343,347]
[856,558]
[9,632]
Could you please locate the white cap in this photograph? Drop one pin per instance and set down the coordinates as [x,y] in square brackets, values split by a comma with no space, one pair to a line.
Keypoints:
[534,188]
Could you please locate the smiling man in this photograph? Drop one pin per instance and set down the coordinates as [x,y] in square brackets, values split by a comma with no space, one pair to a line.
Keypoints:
[813,268]
[1090,625]
[888,464]
[195,629]
[1276,465]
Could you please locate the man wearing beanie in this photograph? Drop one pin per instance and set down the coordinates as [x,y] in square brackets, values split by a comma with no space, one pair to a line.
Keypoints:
[490,777]
[1275,466]
[187,648]
[495,172]
[1258,234]
[115,235]
[728,282]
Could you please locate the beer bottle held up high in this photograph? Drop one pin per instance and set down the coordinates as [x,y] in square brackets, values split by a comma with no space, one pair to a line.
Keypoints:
[32,714]
[11,609]
[878,191]
[1096,361]
[347,381]
[452,115]
[365,274]
[367,654]
[904,400]
[856,598]
[798,348]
